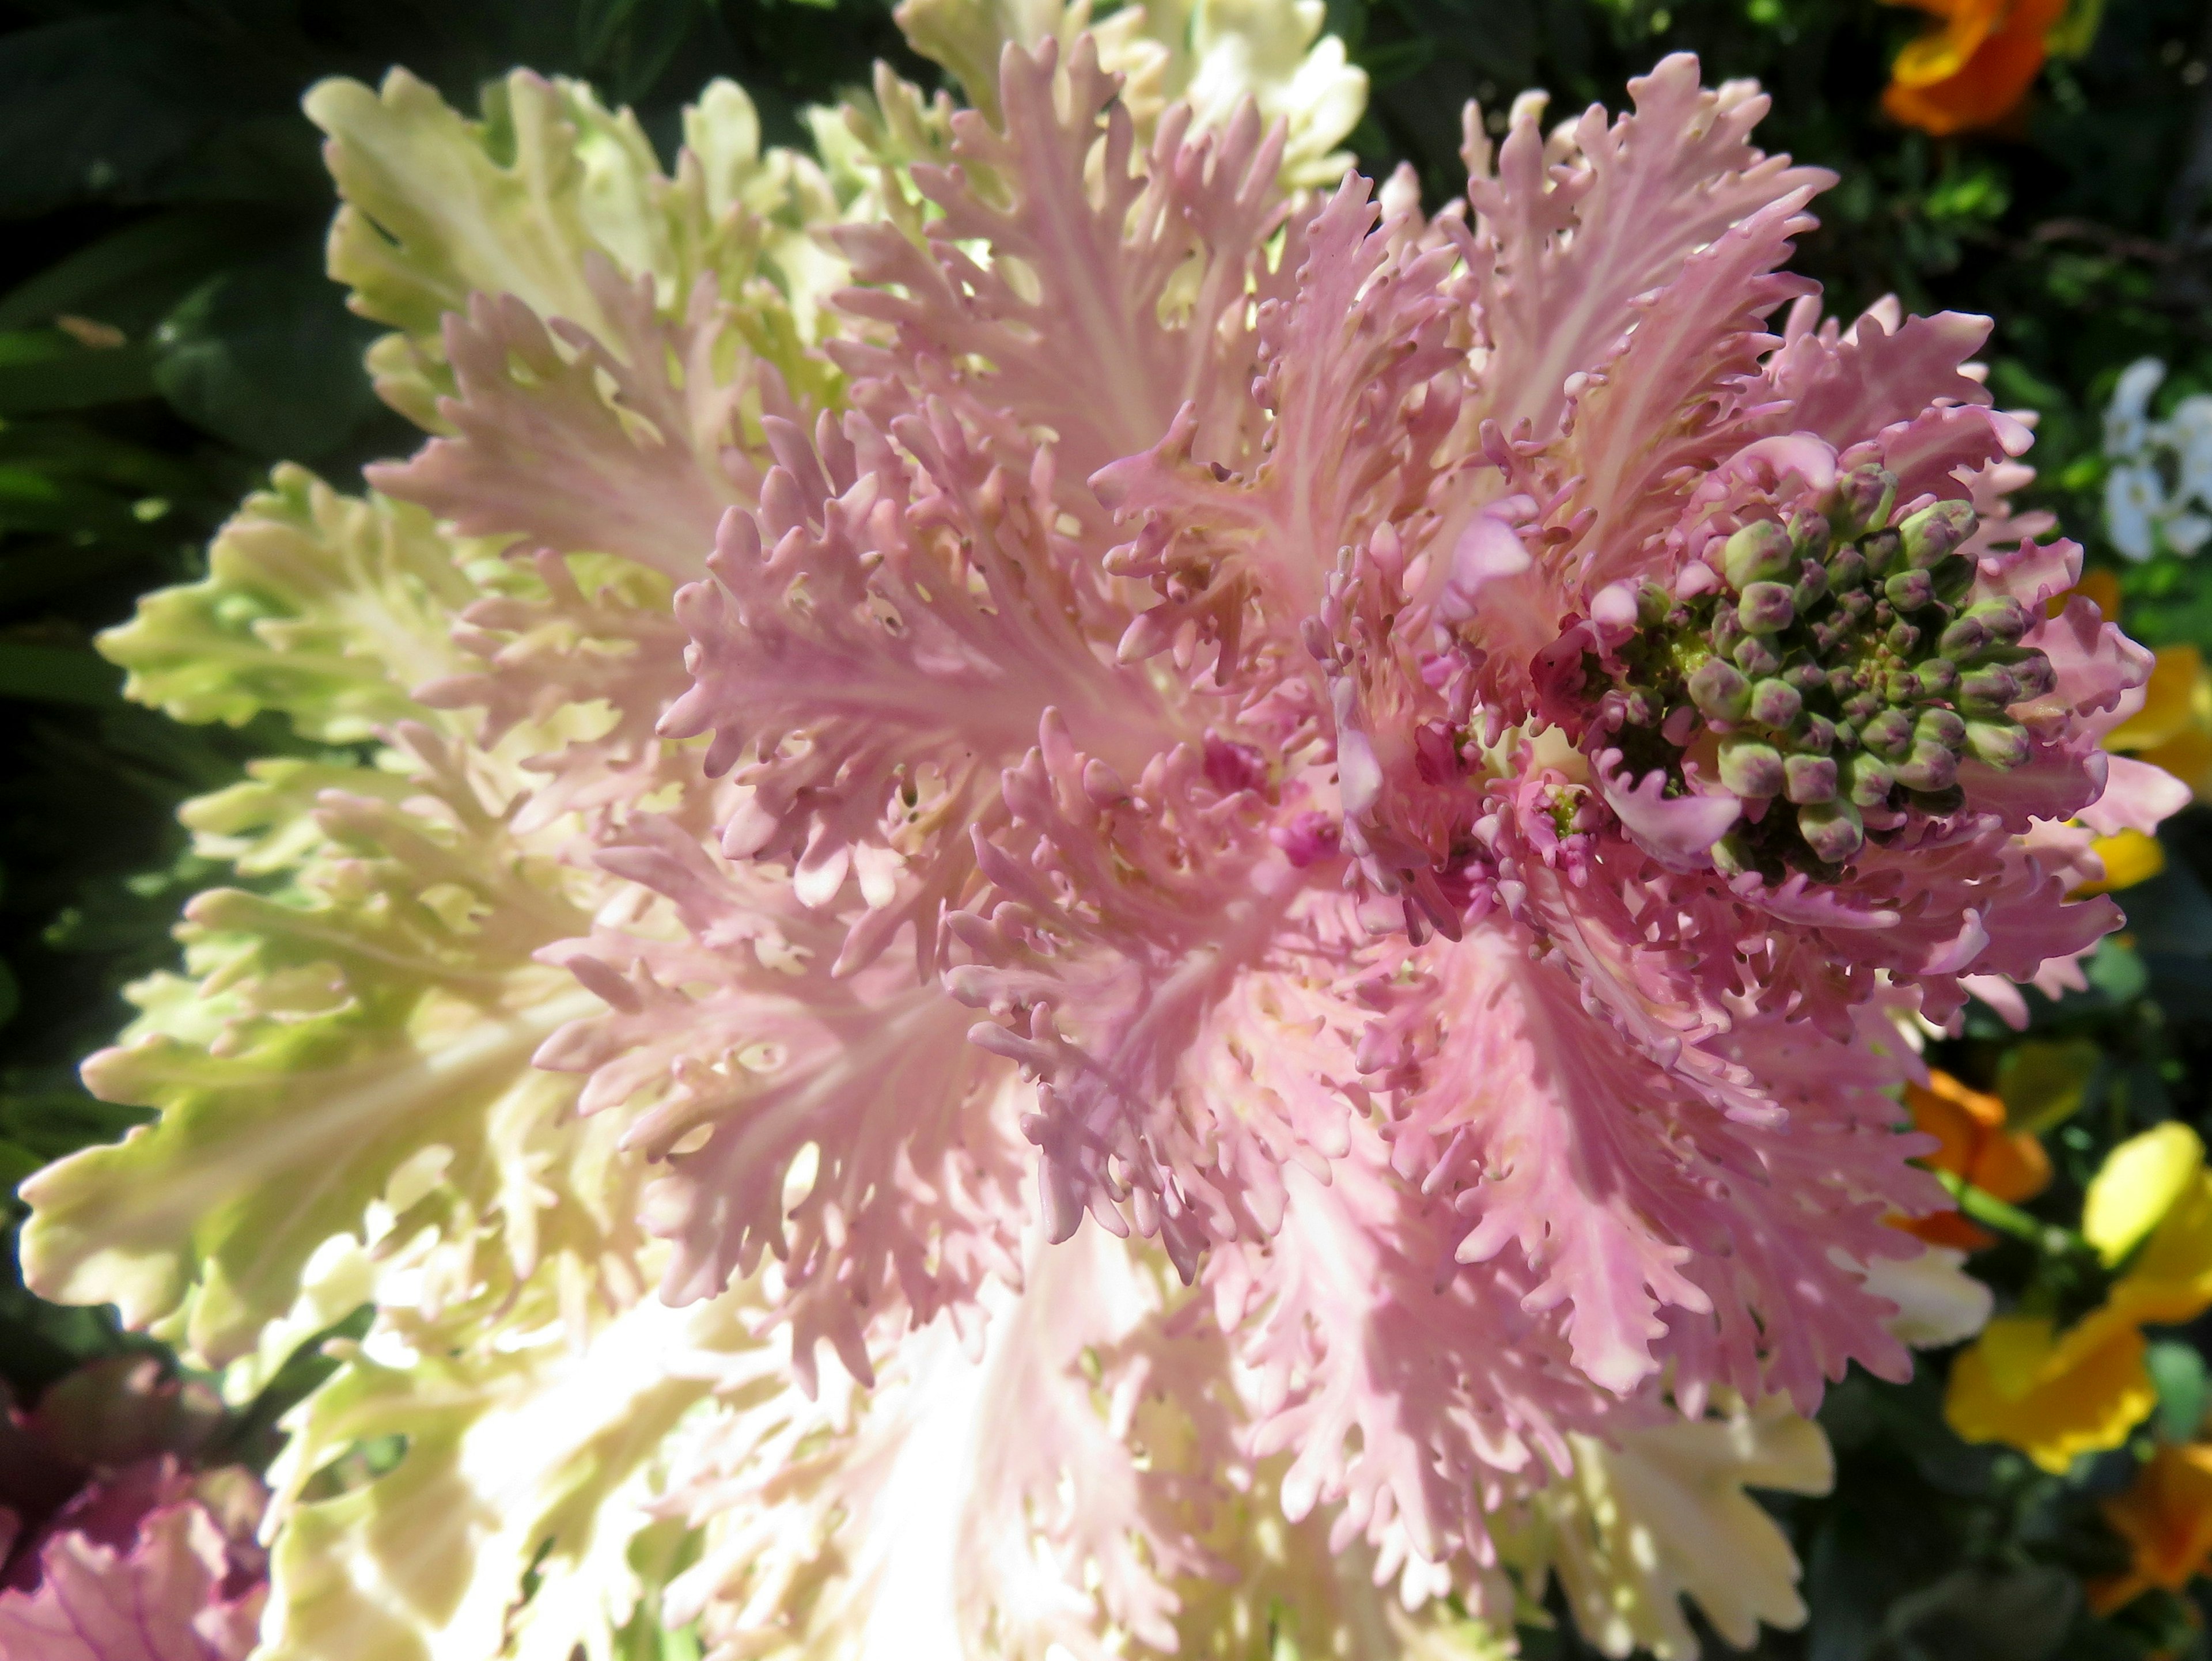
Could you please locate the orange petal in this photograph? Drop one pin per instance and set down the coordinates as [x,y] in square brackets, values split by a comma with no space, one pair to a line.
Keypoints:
[2012,1167]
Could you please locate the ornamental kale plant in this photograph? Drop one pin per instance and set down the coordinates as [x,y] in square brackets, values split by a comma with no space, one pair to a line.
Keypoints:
[1068,888]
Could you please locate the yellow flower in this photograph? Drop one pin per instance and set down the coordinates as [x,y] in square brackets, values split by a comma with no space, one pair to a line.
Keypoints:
[2128,857]
[2172,730]
[2055,1395]
[2166,1518]
[2137,1186]
[2174,727]
[1971,69]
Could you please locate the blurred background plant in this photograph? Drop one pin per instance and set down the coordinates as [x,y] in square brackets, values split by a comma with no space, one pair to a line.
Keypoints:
[166,335]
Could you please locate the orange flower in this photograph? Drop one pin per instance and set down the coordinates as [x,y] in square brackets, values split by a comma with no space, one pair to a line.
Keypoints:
[1969,1127]
[1973,69]
[2166,1518]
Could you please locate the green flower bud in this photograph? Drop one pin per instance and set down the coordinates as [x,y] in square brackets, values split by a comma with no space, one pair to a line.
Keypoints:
[1869,779]
[1805,675]
[1731,856]
[1754,656]
[1719,692]
[1990,686]
[1888,734]
[1862,499]
[2004,619]
[2035,676]
[1937,676]
[1939,726]
[1909,591]
[1832,830]
[1809,779]
[1883,550]
[1809,531]
[1932,532]
[1964,637]
[1810,588]
[2001,744]
[1751,768]
[1953,575]
[1759,551]
[1765,608]
[1775,703]
[1929,768]
[1820,735]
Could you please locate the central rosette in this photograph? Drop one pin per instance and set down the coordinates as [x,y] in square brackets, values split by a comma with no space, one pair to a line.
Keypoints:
[1830,673]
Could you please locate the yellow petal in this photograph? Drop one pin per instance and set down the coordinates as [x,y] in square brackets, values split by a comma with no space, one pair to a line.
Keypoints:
[2170,1280]
[2169,701]
[2085,1394]
[2141,1179]
[2187,756]
[2128,857]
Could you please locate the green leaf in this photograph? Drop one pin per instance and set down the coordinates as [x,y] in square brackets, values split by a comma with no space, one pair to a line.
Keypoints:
[266,356]
[2184,1391]
[130,276]
[56,674]
[45,370]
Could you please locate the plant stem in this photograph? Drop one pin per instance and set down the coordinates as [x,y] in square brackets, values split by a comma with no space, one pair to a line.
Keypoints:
[1991,1212]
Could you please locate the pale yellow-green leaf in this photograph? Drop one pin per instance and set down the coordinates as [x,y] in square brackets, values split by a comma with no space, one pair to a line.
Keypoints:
[534,1455]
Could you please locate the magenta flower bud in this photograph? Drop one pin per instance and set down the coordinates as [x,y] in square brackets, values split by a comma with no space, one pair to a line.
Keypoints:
[1775,703]
[1719,691]
[1751,768]
[1809,778]
[1831,829]
[1820,735]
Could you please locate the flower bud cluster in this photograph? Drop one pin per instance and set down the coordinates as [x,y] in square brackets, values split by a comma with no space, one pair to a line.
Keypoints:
[1832,674]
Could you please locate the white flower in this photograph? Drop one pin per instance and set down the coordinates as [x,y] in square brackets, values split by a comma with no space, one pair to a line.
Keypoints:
[2127,427]
[2135,500]
[2189,431]
[1938,1303]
